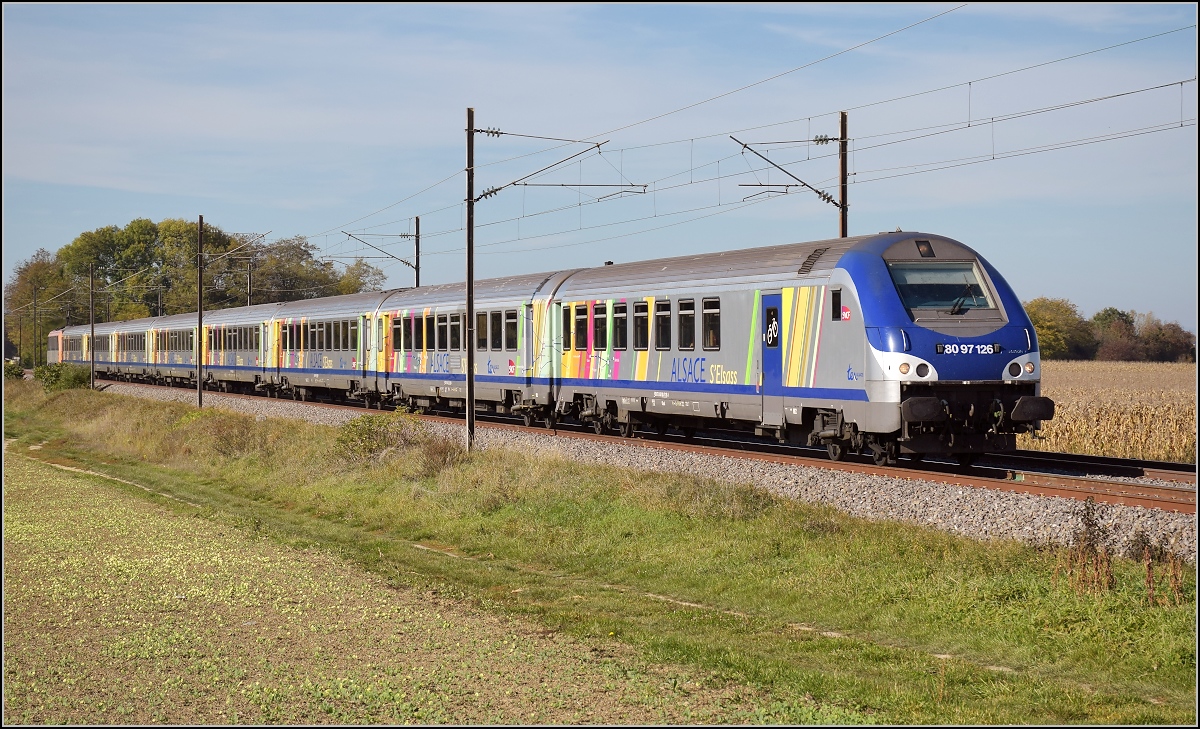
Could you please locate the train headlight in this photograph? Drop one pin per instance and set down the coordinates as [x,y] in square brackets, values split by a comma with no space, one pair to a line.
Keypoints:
[1029,367]
[922,369]
[1014,369]
[904,368]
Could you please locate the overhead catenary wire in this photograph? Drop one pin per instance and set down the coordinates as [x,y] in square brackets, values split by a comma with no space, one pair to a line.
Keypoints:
[858,148]
[948,164]
[662,115]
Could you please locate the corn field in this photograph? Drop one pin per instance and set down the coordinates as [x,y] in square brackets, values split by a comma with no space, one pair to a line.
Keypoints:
[1122,409]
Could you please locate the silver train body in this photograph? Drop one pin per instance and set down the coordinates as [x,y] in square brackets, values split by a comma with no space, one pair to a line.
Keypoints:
[898,343]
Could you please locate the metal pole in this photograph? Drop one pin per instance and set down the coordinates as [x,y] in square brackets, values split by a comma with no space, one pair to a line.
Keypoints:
[92,323]
[20,339]
[417,257]
[470,279]
[35,331]
[844,222]
[200,314]
[249,283]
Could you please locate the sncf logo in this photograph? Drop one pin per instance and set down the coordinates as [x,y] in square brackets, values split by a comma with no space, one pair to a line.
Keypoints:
[512,367]
[845,313]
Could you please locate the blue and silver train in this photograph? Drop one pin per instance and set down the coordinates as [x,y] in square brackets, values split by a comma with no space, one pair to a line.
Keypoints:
[893,344]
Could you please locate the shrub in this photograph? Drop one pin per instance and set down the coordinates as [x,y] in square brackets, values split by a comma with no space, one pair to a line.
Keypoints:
[371,438]
[62,376]
[13,371]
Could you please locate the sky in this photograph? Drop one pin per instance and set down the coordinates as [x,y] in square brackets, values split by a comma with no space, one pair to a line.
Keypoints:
[1070,168]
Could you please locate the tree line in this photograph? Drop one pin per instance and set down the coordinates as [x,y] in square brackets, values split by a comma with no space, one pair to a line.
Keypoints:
[149,269]
[1112,334]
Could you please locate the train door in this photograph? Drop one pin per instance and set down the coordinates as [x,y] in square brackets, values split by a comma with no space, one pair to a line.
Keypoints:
[529,345]
[772,359]
[365,347]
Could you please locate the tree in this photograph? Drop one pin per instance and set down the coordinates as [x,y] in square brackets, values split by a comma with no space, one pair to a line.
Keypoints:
[40,277]
[1115,336]
[1062,333]
[361,276]
[1165,342]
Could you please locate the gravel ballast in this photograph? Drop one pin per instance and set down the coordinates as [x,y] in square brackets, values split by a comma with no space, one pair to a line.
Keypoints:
[974,512]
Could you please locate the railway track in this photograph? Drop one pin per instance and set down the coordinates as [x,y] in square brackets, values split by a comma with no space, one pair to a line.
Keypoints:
[1017,472]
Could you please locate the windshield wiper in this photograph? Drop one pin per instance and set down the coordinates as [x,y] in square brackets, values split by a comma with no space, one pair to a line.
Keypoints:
[957,307]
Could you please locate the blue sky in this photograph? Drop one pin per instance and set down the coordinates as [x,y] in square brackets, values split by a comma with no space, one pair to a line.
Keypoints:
[312,120]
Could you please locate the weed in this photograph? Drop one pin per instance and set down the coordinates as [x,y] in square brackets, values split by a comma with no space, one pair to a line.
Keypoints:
[438,453]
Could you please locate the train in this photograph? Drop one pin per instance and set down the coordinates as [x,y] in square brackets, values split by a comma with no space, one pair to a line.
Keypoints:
[897,345]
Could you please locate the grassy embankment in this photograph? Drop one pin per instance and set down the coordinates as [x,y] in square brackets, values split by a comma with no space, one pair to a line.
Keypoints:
[1124,409]
[821,615]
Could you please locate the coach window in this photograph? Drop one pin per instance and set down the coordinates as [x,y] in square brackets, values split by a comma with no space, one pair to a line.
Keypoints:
[510,330]
[566,327]
[405,334]
[687,324]
[662,325]
[641,325]
[345,335]
[399,329]
[443,332]
[258,338]
[581,314]
[322,338]
[335,338]
[418,330]
[455,332]
[620,326]
[600,326]
[497,332]
[354,335]
[430,332]
[835,309]
[481,330]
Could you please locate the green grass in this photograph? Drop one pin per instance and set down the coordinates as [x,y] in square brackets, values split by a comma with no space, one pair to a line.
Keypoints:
[808,606]
[120,611]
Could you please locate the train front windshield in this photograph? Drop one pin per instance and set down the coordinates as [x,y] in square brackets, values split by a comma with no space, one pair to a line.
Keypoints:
[954,286]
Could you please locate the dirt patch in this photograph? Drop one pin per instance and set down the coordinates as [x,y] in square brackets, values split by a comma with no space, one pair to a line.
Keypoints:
[120,611]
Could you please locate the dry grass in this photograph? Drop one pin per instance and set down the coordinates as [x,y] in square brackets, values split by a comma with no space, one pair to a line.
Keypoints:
[1123,409]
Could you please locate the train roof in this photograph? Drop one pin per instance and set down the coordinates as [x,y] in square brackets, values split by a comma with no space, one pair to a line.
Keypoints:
[782,264]
[344,306]
[489,291]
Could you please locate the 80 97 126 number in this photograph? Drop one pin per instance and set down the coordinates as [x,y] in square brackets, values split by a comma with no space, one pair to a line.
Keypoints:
[968,348]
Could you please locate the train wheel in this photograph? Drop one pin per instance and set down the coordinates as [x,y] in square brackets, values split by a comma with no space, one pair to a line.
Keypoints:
[916,457]
[528,418]
[626,429]
[689,433]
[550,420]
[966,459]
[598,427]
[661,428]
[836,451]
